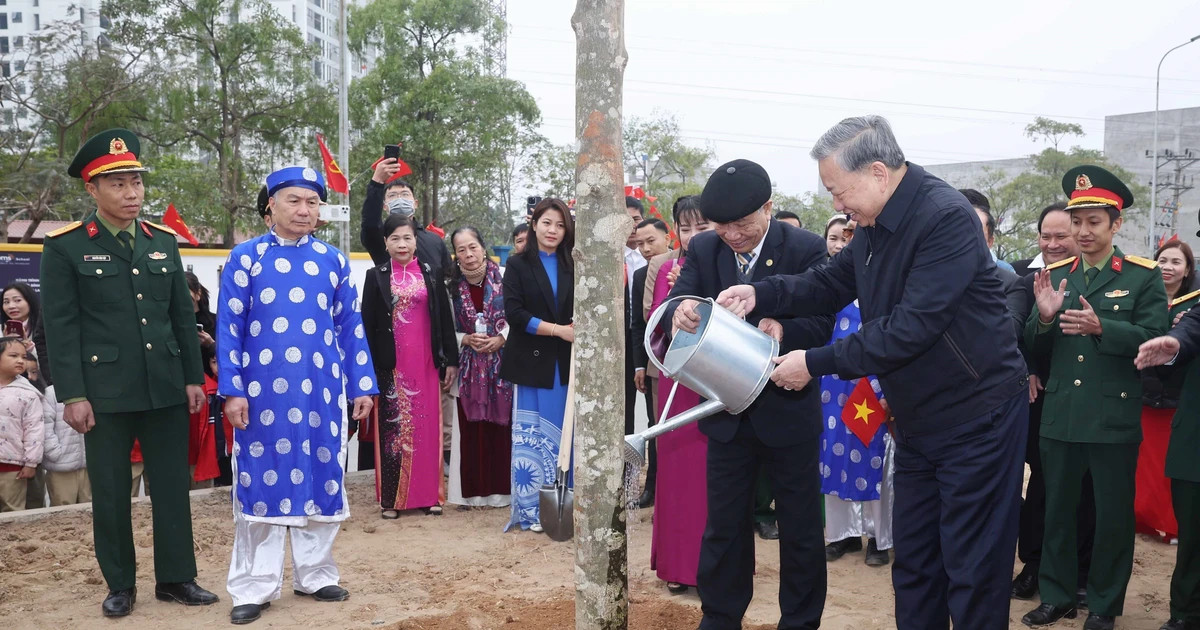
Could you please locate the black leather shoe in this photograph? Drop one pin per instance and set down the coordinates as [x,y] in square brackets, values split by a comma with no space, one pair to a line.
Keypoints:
[331,593]
[186,593]
[1176,624]
[1081,599]
[1047,614]
[119,603]
[875,557]
[247,612]
[835,550]
[1099,622]
[1025,585]
[647,498]
[767,531]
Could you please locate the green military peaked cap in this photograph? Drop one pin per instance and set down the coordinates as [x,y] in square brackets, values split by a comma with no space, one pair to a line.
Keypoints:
[1090,186]
[110,151]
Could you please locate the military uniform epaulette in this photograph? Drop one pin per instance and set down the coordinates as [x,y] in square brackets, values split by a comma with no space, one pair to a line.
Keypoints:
[1061,263]
[1183,298]
[1142,262]
[64,229]
[162,228]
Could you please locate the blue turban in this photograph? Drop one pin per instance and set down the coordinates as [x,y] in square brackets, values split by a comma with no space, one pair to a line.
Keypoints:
[301,176]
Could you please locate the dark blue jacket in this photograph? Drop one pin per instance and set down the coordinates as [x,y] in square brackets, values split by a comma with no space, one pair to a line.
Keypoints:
[935,327]
[780,417]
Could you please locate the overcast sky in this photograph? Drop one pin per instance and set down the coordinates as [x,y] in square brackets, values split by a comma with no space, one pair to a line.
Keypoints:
[763,79]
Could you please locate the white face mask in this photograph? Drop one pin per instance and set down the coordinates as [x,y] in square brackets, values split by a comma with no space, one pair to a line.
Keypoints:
[402,206]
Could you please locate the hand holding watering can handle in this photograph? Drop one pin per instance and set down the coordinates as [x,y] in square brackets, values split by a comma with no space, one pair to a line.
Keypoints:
[652,325]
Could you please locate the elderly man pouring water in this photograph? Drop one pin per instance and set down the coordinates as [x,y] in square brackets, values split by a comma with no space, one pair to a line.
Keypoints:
[936,333]
[779,429]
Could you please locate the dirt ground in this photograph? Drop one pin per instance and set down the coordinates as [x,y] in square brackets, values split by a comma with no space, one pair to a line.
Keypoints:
[452,572]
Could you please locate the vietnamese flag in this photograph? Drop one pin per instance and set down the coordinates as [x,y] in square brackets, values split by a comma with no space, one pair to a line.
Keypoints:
[432,227]
[334,177]
[863,412]
[172,220]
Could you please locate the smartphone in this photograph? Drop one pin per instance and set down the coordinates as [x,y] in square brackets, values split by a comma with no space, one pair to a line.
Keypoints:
[199,327]
[14,328]
[391,151]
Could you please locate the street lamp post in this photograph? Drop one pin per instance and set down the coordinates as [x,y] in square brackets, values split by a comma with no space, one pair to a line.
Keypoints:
[1154,156]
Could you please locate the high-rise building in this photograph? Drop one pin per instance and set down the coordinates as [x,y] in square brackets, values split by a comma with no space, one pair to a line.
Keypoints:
[22,20]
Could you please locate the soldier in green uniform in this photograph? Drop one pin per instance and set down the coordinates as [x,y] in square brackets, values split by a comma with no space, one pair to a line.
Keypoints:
[1093,311]
[122,340]
[1180,348]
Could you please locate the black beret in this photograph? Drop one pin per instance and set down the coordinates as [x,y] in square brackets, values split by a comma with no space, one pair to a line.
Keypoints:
[735,190]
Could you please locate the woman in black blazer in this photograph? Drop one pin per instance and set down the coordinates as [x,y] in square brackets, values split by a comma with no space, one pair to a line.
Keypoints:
[539,304]
[410,331]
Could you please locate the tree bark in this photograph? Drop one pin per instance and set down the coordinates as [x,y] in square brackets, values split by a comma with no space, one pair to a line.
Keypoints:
[601,571]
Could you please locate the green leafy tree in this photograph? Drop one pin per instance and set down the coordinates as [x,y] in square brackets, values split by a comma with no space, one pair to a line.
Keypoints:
[814,210]
[63,88]
[1018,200]
[240,99]
[433,89]
[656,154]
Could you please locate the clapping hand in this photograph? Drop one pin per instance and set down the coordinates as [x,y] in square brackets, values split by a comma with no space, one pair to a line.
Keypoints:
[1082,321]
[1048,299]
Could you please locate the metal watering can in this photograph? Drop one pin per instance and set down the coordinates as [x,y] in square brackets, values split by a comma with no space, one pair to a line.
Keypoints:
[727,361]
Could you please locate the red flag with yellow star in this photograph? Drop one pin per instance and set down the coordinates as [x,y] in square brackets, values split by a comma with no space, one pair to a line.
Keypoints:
[863,412]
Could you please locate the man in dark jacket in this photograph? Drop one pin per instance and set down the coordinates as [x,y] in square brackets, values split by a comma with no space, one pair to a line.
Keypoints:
[1179,348]
[936,332]
[385,189]
[780,429]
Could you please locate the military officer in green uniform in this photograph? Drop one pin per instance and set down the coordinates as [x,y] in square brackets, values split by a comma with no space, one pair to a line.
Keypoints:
[122,340]
[1179,348]
[1093,311]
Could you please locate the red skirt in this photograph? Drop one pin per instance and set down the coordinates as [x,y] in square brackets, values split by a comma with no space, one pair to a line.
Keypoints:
[1152,503]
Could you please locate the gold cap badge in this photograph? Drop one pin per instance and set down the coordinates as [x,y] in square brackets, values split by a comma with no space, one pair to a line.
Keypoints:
[117,146]
[1083,182]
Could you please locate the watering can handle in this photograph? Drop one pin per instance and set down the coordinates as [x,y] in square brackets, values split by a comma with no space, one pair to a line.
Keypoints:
[652,325]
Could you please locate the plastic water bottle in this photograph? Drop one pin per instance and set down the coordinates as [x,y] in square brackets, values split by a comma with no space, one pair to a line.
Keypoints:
[480,324]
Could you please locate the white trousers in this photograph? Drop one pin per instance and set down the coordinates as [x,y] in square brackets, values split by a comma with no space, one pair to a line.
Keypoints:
[256,570]
[850,519]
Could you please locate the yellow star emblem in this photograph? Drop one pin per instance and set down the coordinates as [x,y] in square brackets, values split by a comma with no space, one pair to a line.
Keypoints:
[863,411]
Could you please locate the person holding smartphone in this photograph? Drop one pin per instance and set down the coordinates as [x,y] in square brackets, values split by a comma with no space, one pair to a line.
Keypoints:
[389,189]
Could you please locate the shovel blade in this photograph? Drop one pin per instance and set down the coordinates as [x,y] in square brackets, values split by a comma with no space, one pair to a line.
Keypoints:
[556,505]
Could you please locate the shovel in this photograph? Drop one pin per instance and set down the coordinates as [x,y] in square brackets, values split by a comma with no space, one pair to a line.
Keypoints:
[556,502]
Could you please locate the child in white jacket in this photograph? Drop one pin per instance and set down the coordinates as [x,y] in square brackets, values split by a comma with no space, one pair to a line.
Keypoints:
[64,459]
[22,426]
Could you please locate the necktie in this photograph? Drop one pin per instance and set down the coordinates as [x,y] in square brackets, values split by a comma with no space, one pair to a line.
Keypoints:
[744,261]
[1090,275]
[126,239]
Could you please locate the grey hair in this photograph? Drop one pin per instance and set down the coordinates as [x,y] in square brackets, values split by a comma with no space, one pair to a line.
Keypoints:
[857,142]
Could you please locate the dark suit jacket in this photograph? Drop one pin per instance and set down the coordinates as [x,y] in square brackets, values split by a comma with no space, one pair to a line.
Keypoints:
[1021,267]
[936,329]
[1182,462]
[530,359]
[377,311]
[637,328]
[780,417]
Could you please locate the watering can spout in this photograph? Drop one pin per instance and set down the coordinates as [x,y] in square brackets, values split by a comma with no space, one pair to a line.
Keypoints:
[635,445]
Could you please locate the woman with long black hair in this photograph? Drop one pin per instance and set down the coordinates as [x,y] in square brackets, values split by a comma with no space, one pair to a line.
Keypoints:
[539,304]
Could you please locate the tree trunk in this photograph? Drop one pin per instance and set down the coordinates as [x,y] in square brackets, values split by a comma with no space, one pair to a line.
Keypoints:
[601,571]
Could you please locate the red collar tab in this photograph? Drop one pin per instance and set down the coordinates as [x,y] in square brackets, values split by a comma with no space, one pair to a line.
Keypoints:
[1116,264]
[92,230]
[146,229]
[1074,265]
